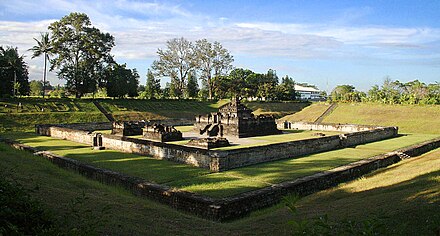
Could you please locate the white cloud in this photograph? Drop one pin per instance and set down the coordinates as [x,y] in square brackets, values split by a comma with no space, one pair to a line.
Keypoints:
[140,28]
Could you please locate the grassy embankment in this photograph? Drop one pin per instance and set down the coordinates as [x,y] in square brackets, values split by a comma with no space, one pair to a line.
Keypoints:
[45,111]
[416,190]
[215,184]
[309,114]
[408,204]
[409,118]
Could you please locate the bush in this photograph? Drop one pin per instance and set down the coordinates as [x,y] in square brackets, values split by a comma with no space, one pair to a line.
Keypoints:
[19,213]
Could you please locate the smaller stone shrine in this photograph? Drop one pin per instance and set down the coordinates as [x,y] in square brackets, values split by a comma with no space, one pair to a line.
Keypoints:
[237,120]
[162,133]
[127,128]
[209,143]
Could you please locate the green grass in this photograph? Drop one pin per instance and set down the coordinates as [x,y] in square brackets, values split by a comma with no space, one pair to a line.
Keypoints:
[408,204]
[409,118]
[277,109]
[216,184]
[160,108]
[406,196]
[308,114]
[34,105]
[27,121]
[292,135]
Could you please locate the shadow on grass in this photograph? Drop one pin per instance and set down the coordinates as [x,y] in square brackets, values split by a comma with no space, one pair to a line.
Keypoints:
[409,207]
[157,171]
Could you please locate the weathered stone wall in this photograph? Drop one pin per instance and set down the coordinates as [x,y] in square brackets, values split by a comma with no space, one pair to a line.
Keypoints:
[253,155]
[349,128]
[172,122]
[78,126]
[356,138]
[181,154]
[240,205]
[222,160]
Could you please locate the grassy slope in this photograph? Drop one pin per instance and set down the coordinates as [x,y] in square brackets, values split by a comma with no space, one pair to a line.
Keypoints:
[158,109]
[409,118]
[83,110]
[54,111]
[309,114]
[215,184]
[409,203]
[277,109]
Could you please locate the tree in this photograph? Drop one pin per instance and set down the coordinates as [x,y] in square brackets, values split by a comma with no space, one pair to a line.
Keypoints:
[152,87]
[267,85]
[81,52]
[36,88]
[43,47]
[13,73]
[176,62]
[192,88]
[342,92]
[121,81]
[214,60]
[239,79]
[286,90]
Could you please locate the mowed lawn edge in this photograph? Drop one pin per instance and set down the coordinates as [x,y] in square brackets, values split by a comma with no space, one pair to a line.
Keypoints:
[221,184]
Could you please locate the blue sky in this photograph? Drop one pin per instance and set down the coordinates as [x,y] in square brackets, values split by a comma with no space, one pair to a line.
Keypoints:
[325,43]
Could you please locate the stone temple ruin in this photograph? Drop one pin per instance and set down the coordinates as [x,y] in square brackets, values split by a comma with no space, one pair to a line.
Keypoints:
[157,132]
[236,120]
[162,133]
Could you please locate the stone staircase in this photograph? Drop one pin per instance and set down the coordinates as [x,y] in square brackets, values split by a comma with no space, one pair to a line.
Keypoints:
[109,116]
[327,112]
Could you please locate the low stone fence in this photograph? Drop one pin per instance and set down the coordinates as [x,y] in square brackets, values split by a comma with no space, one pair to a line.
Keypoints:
[217,160]
[229,208]
[325,126]
[172,122]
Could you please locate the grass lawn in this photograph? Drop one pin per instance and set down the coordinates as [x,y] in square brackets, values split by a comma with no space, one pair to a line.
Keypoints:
[409,118]
[216,184]
[405,197]
[34,105]
[277,109]
[309,114]
[407,204]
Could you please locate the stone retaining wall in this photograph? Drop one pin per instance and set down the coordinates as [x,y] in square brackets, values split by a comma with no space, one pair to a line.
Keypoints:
[325,126]
[240,205]
[222,160]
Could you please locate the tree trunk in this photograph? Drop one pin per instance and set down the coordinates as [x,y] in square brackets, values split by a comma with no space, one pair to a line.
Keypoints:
[209,87]
[44,75]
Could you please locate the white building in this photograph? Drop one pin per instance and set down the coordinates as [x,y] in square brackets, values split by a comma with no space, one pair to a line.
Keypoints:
[308,93]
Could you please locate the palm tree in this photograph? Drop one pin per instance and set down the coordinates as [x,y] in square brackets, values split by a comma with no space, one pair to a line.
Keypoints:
[13,61]
[43,47]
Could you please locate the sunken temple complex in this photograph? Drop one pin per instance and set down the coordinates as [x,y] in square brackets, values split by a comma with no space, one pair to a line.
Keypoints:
[236,120]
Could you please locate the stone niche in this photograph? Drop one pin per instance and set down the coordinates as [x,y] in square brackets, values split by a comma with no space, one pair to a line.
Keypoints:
[209,143]
[127,128]
[162,133]
[236,120]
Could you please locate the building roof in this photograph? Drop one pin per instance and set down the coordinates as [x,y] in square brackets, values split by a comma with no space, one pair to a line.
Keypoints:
[305,89]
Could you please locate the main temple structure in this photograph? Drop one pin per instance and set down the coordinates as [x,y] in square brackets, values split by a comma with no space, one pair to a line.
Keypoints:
[236,120]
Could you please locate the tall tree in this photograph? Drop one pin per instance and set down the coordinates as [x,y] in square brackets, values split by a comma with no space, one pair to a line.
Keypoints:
[176,61]
[192,88]
[43,47]
[214,60]
[121,81]
[80,52]
[342,92]
[13,73]
[152,87]
[36,88]
[239,83]
[286,90]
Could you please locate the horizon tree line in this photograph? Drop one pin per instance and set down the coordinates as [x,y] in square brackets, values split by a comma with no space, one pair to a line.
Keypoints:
[81,54]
